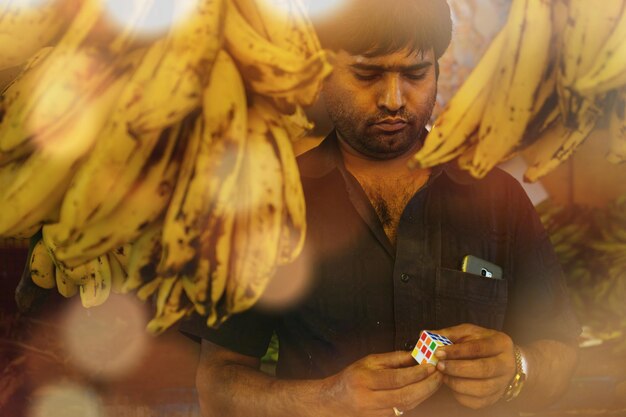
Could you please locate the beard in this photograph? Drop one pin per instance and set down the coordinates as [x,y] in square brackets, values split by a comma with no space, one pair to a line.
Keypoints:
[363,136]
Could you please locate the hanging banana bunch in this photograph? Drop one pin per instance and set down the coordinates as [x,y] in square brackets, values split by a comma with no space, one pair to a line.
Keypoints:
[161,167]
[541,87]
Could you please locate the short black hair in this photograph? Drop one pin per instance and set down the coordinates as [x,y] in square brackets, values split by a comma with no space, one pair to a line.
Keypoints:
[379,27]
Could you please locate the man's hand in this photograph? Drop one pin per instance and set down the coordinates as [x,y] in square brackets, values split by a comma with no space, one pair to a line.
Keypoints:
[375,384]
[478,366]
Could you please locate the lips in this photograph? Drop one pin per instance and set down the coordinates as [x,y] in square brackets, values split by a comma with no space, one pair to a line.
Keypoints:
[391,125]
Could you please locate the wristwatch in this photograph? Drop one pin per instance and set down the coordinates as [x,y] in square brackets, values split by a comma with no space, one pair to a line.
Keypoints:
[517,383]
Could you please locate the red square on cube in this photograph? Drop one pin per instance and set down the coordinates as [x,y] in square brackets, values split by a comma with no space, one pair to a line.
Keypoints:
[424,349]
[429,354]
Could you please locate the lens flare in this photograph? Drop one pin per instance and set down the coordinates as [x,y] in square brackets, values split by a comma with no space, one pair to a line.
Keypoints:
[108,341]
[323,8]
[159,17]
[65,400]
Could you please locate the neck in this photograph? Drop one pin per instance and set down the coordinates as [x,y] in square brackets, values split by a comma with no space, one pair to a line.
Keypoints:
[359,164]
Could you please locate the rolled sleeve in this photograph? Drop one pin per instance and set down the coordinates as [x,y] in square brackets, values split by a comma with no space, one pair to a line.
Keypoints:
[247,333]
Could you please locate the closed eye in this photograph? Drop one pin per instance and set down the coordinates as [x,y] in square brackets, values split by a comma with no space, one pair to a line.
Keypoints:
[366,77]
[413,76]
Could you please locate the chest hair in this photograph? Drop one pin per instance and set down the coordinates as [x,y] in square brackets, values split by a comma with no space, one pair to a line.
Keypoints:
[389,198]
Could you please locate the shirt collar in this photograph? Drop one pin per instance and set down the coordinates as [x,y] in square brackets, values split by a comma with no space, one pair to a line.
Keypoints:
[326,157]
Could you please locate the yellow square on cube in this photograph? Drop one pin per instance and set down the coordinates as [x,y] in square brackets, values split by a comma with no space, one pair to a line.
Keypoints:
[424,351]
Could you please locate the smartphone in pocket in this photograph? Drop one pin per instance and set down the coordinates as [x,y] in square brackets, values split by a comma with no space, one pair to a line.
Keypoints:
[477,266]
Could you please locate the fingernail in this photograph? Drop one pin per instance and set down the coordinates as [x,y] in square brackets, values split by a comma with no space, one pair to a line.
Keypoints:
[441,366]
[441,354]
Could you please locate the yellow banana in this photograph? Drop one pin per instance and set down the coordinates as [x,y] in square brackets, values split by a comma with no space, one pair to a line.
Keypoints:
[609,65]
[558,143]
[587,30]
[269,69]
[25,81]
[143,204]
[463,113]
[217,254]
[294,220]
[42,269]
[65,286]
[518,77]
[144,257]
[61,86]
[118,273]
[74,72]
[204,192]
[617,129]
[180,74]
[38,183]
[258,223]
[27,26]
[122,254]
[284,23]
[168,307]
[97,288]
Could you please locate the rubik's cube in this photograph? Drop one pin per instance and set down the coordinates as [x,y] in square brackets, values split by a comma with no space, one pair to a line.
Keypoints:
[424,351]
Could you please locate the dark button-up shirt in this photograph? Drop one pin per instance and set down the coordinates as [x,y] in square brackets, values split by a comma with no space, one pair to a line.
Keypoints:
[365,296]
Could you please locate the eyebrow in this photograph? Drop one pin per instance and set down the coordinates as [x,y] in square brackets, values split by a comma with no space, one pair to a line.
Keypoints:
[400,68]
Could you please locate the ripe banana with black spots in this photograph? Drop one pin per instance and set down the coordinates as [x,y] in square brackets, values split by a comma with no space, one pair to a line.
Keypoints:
[68,76]
[294,220]
[587,29]
[42,269]
[181,72]
[145,203]
[207,182]
[283,23]
[66,287]
[520,71]
[258,222]
[36,185]
[118,273]
[617,129]
[168,308]
[27,26]
[609,67]
[144,257]
[97,286]
[25,81]
[559,142]
[462,115]
[269,69]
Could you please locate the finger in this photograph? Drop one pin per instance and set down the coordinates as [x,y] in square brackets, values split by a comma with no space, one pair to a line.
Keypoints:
[394,360]
[385,379]
[460,332]
[476,387]
[475,368]
[410,396]
[472,349]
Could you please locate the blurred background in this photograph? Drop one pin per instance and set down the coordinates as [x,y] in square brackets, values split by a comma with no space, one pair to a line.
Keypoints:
[102,363]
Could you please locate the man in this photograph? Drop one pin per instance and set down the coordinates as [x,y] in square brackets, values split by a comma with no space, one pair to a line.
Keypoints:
[383,256]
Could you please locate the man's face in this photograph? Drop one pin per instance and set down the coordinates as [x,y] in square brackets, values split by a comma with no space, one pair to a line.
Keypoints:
[379,105]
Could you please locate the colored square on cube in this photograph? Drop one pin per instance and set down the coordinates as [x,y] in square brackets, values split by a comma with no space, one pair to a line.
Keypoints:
[427,345]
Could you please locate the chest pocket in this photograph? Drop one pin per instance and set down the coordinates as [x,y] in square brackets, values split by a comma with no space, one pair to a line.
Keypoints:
[461,297]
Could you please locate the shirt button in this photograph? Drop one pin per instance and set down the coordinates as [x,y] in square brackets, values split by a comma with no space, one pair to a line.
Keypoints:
[405,277]
[408,346]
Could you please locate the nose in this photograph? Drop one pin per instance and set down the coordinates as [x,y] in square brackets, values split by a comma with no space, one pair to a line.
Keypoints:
[391,97]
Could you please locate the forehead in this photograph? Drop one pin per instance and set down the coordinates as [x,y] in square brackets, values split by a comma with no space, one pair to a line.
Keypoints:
[401,58]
